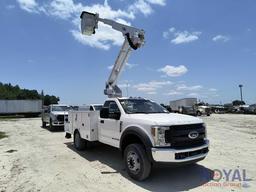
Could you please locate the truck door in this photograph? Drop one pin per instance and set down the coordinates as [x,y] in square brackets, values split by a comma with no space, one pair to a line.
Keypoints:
[109,124]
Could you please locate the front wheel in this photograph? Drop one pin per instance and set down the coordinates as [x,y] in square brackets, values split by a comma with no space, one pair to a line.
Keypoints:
[51,127]
[43,124]
[136,162]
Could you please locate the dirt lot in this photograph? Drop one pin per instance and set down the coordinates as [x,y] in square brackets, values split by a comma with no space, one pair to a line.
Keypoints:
[35,159]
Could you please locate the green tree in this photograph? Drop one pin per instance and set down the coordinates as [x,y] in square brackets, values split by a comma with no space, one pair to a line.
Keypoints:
[8,91]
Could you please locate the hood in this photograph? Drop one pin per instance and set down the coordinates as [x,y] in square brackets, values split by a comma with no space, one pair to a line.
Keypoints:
[60,112]
[166,119]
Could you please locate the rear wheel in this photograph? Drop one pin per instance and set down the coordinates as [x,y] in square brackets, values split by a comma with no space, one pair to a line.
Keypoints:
[198,113]
[80,144]
[136,162]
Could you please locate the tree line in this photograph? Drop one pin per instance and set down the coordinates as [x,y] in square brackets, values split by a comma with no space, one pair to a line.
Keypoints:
[11,92]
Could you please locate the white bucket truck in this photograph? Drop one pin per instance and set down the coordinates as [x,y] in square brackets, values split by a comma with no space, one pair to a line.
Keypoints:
[144,131]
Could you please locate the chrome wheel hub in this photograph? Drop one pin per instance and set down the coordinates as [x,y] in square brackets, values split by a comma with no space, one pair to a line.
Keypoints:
[133,162]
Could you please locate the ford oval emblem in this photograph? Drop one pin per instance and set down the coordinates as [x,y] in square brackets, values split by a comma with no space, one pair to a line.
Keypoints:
[193,134]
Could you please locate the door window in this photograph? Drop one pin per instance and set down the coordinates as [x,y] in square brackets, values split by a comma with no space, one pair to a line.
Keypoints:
[113,108]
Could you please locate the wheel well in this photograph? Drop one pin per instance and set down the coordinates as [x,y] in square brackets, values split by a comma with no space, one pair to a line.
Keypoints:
[130,139]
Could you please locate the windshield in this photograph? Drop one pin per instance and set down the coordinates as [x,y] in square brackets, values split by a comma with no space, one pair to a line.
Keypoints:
[60,108]
[141,106]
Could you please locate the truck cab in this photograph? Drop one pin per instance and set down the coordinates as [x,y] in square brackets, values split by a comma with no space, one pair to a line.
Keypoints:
[54,115]
[145,133]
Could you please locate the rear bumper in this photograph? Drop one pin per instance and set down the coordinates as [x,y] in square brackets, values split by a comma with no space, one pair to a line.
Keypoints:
[168,155]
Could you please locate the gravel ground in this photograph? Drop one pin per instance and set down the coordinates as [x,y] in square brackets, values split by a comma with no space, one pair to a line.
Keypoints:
[35,159]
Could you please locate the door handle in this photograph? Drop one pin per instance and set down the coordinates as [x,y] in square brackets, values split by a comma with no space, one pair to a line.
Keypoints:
[101,121]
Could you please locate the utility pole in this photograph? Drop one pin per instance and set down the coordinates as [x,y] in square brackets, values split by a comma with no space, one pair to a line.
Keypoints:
[241,91]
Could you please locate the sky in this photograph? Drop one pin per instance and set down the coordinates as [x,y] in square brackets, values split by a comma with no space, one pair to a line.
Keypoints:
[196,48]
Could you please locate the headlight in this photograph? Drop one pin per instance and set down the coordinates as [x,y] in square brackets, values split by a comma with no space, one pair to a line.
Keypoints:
[158,133]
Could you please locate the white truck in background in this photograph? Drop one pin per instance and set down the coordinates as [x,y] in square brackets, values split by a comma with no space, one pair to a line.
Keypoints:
[203,110]
[54,115]
[189,106]
[144,131]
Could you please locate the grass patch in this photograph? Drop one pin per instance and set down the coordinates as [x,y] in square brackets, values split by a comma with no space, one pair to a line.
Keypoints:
[3,135]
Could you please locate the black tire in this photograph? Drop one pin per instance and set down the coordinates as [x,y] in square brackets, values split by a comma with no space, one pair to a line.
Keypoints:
[79,143]
[51,127]
[43,124]
[136,162]
[68,136]
[198,113]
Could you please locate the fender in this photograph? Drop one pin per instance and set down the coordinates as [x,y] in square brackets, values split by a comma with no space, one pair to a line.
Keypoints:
[141,135]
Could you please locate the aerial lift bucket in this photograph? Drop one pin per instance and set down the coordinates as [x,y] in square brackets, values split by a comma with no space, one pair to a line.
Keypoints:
[89,22]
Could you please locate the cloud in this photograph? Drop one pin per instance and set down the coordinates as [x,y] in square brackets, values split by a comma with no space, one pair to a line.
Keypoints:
[180,89]
[141,6]
[180,37]
[97,41]
[221,38]
[151,93]
[157,2]
[105,36]
[213,89]
[70,11]
[167,34]
[124,85]
[193,95]
[185,37]
[28,5]
[110,67]
[174,71]
[172,93]
[127,65]
[9,7]
[151,86]
[184,87]
[130,66]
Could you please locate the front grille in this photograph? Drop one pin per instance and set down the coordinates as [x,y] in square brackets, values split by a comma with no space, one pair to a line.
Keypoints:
[184,155]
[60,117]
[178,136]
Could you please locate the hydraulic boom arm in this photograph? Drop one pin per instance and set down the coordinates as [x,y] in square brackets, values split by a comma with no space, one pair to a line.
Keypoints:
[134,38]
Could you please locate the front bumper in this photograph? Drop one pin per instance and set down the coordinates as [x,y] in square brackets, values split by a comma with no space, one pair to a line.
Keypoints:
[168,155]
[58,123]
